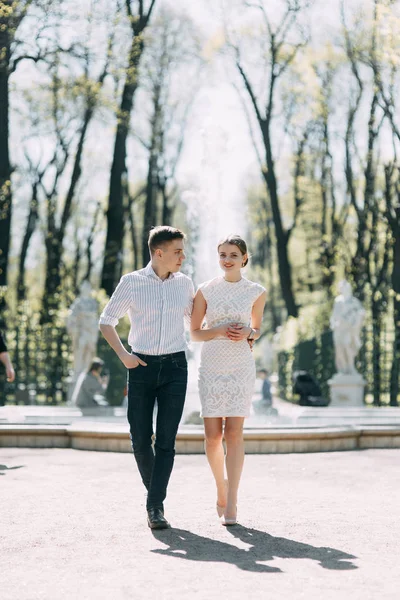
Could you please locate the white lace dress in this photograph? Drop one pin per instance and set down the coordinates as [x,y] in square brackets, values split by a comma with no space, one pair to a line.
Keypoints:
[227,370]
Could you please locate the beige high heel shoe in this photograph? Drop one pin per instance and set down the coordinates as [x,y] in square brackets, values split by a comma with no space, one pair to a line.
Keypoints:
[221,509]
[228,522]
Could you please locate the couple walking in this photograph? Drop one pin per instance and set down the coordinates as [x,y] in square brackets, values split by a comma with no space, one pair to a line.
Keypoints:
[158,300]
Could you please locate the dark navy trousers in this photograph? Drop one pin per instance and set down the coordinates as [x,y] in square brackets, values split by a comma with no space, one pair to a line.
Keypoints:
[163,380]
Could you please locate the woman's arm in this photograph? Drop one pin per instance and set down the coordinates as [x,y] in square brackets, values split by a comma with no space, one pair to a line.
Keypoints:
[237,334]
[257,314]
[199,311]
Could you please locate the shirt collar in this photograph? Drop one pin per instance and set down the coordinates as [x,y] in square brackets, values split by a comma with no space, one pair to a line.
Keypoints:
[149,271]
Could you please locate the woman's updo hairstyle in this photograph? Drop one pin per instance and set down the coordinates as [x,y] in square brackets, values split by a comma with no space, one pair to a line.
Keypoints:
[236,240]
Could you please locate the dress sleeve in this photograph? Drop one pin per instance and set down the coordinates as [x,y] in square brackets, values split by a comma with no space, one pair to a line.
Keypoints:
[189,306]
[119,303]
[203,288]
[258,290]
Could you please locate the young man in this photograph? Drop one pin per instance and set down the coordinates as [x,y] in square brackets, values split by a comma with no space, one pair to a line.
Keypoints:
[157,300]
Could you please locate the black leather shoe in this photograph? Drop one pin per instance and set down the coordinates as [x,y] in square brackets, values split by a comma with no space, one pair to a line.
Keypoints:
[156,519]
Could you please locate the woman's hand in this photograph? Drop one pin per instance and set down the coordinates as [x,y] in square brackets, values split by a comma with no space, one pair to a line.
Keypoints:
[223,330]
[237,332]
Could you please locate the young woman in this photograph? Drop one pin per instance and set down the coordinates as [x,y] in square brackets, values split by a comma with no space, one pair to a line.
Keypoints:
[232,307]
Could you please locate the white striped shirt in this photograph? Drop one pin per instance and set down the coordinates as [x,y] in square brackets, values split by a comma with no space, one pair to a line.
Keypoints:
[157,310]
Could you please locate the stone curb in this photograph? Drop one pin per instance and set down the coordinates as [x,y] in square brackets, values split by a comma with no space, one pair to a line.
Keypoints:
[115,438]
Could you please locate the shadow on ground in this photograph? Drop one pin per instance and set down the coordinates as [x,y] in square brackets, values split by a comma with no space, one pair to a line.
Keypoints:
[263,547]
[5,468]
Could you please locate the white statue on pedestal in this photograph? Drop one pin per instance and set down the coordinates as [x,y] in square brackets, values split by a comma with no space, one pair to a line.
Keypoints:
[346,322]
[347,386]
[82,325]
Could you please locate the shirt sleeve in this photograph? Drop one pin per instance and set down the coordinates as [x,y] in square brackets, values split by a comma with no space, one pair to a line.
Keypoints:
[3,347]
[119,303]
[189,307]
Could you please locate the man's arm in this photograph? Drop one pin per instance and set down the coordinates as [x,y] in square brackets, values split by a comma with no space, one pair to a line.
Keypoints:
[131,361]
[116,308]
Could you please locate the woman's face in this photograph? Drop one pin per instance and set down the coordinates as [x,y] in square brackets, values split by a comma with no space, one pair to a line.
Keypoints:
[230,258]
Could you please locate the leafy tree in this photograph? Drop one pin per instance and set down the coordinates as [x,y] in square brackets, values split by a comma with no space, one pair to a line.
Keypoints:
[172,55]
[14,48]
[139,18]
[277,48]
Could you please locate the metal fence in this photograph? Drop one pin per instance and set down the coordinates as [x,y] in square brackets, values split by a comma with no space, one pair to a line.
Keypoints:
[317,356]
[42,358]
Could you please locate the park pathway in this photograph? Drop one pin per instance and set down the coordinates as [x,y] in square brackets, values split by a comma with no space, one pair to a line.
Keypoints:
[313,526]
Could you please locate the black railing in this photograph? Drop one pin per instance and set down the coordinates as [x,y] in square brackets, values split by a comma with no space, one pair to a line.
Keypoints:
[374,362]
[42,358]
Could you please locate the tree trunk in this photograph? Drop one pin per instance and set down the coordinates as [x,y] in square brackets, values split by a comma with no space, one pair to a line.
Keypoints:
[167,209]
[150,207]
[5,166]
[135,248]
[89,243]
[360,259]
[282,237]
[29,231]
[284,266]
[328,246]
[272,304]
[55,235]
[112,266]
[51,296]
[395,370]
[76,267]
[376,351]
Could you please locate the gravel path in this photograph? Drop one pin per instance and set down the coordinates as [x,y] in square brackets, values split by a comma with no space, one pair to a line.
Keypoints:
[314,526]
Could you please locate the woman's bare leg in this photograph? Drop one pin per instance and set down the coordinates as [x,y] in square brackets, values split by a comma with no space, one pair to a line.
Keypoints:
[215,455]
[234,461]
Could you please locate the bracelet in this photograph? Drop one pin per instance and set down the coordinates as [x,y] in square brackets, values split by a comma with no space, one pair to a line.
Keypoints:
[251,334]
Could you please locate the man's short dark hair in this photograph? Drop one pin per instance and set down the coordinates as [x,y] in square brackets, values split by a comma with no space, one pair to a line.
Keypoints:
[97,364]
[163,234]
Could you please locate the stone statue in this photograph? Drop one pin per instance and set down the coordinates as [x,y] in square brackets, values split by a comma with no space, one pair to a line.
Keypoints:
[346,322]
[82,325]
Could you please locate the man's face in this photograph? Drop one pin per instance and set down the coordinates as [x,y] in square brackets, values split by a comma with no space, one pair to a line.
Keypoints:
[172,255]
